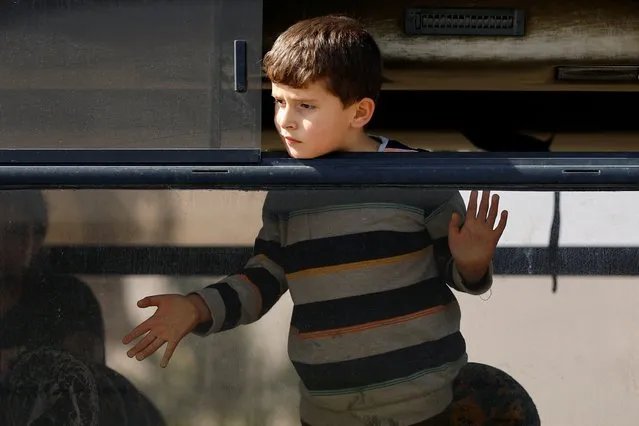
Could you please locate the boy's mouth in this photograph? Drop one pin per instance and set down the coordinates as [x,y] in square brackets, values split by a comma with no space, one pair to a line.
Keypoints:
[291,141]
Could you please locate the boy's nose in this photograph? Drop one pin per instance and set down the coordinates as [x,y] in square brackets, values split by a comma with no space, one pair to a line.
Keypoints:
[285,119]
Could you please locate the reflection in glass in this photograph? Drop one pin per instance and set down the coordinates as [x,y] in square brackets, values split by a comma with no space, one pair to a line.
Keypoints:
[40,308]
[176,242]
[52,342]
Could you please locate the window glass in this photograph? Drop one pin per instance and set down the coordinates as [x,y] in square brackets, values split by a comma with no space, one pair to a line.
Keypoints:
[70,301]
[129,74]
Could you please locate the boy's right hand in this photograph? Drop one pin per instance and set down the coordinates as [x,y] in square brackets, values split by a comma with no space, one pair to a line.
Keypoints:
[176,316]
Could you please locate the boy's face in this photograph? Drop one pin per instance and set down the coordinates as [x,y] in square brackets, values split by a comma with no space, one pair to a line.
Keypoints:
[313,122]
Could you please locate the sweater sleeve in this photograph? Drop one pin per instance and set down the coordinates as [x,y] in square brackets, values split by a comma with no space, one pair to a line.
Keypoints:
[246,296]
[437,226]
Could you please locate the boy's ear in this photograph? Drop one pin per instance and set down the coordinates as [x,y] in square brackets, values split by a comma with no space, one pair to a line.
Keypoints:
[364,110]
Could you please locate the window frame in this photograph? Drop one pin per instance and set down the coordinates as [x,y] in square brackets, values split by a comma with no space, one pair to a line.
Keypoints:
[114,169]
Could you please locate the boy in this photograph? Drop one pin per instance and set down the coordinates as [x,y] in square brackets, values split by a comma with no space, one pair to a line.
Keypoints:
[375,330]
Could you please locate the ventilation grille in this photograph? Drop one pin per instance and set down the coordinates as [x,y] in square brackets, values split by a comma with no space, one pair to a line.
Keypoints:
[458,21]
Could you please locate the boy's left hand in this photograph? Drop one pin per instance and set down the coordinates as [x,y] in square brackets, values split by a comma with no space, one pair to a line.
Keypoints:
[473,245]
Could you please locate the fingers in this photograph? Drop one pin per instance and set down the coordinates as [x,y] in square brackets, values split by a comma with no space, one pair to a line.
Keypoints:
[472,206]
[141,345]
[483,205]
[153,328]
[156,344]
[492,212]
[149,301]
[488,208]
[168,353]
[501,225]
[137,332]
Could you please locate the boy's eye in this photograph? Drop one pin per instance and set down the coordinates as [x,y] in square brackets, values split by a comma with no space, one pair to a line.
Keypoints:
[307,106]
[278,101]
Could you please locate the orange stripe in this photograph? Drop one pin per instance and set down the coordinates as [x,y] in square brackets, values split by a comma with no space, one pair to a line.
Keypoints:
[375,324]
[355,265]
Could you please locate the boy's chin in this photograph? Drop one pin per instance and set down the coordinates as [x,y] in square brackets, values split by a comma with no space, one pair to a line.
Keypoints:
[301,155]
[306,154]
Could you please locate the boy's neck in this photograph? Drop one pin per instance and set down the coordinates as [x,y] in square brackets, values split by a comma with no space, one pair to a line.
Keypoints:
[362,142]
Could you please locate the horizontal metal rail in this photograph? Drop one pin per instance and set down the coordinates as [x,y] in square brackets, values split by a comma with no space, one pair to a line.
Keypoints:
[498,171]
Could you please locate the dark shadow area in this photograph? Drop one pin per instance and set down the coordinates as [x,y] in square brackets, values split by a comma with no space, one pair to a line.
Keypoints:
[498,111]
[176,261]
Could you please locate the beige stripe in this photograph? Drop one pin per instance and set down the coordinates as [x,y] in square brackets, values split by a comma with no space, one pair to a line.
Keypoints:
[425,395]
[216,306]
[405,412]
[399,150]
[374,341]
[350,220]
[360,278]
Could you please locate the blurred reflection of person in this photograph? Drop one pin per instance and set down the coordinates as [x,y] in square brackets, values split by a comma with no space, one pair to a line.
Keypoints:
[38,308]
[52,337]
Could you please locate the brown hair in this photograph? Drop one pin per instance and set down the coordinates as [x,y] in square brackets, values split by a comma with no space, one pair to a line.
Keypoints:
[336,50]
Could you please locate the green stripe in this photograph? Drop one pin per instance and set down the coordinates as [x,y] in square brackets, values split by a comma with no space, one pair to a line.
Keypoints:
[389,383]
[358,206]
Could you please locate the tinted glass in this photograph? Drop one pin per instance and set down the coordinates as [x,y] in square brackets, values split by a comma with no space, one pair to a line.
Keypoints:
[564,343]
[128,74]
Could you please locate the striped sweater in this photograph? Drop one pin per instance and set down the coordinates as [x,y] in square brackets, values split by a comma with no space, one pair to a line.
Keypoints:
[374,335]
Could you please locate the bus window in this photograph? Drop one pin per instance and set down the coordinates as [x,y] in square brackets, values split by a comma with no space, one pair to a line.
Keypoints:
[130,74]
[93,254]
